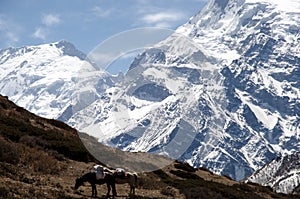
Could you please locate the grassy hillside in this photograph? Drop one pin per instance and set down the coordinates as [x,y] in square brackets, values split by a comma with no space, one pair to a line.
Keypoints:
[41,158]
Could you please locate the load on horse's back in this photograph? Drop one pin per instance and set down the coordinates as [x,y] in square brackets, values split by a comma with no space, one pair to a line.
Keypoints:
[99,170]
[120,172]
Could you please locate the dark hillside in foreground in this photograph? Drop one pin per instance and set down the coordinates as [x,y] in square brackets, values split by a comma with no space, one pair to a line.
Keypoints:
[41,158]
[27,129]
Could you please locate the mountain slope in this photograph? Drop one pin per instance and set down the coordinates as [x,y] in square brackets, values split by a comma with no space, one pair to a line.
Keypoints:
[43,78]
[282,174]
[33,166]
[226,96]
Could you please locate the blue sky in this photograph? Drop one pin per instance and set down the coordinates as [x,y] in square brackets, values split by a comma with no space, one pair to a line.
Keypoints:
[86,23]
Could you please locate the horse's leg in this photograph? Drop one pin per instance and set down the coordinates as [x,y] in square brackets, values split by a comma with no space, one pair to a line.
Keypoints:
[114,191]
[94,191]
[134,183]
[130,191]
[108,189]
[131,184]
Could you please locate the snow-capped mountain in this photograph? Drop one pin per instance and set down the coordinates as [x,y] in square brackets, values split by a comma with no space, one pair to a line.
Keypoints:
[282,174]
[225,97]
[43,78]
[222,92]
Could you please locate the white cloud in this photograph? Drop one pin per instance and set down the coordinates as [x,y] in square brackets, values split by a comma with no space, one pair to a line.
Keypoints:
[10,31]
[163,25]
[2,24]
[48,20]
[40,33]
[100,12]
[51,19]
[12,37]
[162,19]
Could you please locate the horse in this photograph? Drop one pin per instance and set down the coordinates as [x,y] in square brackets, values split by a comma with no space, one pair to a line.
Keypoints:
[126,177]
[90,177]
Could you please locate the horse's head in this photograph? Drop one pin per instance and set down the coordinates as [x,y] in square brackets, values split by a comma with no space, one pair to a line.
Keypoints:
[78,183]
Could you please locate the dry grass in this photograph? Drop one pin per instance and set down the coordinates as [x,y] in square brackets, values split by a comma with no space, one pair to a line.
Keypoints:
[41,158]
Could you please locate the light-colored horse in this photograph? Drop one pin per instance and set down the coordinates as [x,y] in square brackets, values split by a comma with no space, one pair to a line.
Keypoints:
[125,177]
[128,177]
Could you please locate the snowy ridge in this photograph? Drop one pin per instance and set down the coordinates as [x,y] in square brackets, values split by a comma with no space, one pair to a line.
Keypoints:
[42,78]
[282,174]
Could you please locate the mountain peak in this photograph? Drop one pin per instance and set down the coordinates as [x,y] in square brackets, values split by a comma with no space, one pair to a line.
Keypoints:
[46,74]
[69,49]
[216,11]
[221,3]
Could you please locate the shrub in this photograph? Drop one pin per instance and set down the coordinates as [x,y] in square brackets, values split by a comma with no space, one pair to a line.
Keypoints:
[4,192]
[33,141]
[183,174]
[185,166]
[168,191]
[8,152]
[41,162]
[62,141]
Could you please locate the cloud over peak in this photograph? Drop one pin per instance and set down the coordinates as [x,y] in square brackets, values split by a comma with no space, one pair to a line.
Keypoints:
[101,12]
[50,19]
[40,33]
[164,19]
[10,30]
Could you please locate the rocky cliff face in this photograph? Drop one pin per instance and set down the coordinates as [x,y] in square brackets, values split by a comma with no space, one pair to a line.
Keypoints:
[282,174]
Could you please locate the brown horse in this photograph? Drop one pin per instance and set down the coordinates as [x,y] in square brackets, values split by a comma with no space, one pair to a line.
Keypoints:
[90,177]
